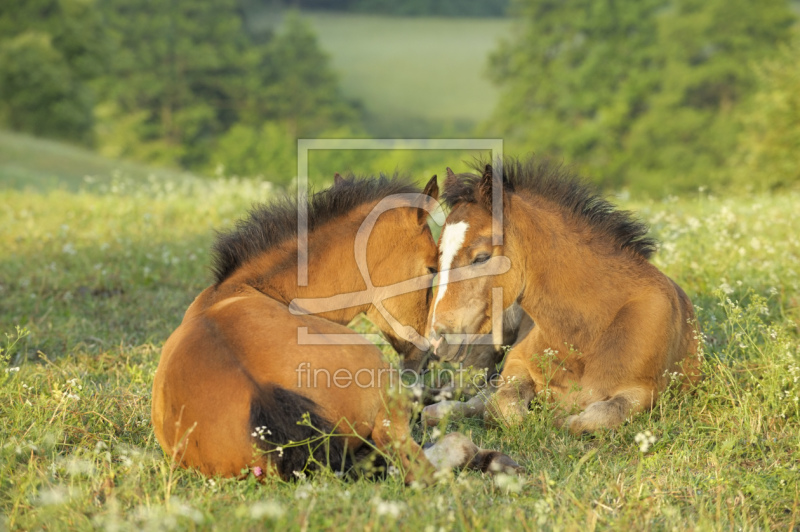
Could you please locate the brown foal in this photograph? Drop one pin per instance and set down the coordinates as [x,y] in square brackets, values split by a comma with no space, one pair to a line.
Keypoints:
[611,331]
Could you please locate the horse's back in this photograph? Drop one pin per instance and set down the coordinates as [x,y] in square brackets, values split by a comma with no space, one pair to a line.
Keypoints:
[681,328]
[687,355]
[229,351]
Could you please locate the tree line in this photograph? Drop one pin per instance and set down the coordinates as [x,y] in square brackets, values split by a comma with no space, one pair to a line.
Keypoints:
[654,95]
[660,95]
[178,83]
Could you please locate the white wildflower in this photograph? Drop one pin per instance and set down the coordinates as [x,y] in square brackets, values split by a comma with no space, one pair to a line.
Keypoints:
[303,491]
[509,483]
[391,509]
[645,440]
[269,509]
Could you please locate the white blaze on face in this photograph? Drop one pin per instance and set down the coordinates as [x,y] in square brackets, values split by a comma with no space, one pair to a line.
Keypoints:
[452,240]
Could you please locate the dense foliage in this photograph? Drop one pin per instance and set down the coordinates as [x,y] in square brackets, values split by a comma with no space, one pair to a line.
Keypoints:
[50,53]
[656,96]
[176,83]
[769,151]
[636,92]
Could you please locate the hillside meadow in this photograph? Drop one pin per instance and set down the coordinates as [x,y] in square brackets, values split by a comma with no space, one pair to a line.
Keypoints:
[95,275]
[414,76]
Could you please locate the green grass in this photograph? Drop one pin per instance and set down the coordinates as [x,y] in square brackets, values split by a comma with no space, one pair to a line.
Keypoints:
[101,274]
[30,162]
[415,76]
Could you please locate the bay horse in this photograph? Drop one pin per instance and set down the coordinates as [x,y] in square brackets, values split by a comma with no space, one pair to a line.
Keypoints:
[249,381]
[611,330]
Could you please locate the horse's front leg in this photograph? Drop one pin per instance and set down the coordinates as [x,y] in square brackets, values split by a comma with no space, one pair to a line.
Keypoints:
[509,405]
[433,414]
[392,435]
[520,381]
[456,450]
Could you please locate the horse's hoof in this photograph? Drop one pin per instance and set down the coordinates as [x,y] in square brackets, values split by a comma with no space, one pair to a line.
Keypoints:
[576,426]
[452,450]
[504,464]
[497,419]
[433,414]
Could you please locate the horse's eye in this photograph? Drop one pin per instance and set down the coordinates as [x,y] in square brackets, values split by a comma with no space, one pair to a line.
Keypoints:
[432,270]
[480,259]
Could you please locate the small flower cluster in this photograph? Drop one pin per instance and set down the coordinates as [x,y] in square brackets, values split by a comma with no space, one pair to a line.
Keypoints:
[268,509]
[543,508]
[70,390]
[303,491]
[509,483]
[260,432]
[390,509]
[645,440]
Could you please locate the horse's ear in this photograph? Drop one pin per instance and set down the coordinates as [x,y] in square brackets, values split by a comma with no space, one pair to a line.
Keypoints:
[490,180]
[486,183]
[451,179]
[337,179]
[432,190]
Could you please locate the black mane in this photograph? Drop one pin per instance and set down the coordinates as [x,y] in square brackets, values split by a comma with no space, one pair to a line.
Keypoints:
[557,184]
[269,224]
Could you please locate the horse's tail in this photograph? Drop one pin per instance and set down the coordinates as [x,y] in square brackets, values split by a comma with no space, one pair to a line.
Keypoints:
[289,428]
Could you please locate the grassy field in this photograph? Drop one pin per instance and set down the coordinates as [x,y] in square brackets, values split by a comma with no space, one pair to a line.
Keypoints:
[415,76]
[98,274]
[39,164]
[28,162]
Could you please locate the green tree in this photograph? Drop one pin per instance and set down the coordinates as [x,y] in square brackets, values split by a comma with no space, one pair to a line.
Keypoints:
[768,155]
[52,52]
[691,126]
[292,93]
[178,76]
[636,92]
[268,151]
[294,83]
[186,73]
[576,75]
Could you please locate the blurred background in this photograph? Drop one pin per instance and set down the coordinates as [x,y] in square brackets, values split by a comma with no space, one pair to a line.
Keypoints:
[645,97]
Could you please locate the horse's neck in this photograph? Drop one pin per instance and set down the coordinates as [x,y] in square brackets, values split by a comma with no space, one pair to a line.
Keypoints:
[570,283]
[331,271]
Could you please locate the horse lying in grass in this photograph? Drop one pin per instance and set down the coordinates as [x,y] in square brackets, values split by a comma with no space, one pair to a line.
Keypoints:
[246,381]
[611,330]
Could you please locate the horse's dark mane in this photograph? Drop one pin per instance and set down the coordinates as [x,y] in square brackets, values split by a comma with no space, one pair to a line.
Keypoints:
[269,224]
[558,184]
